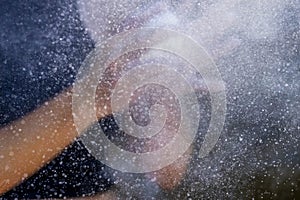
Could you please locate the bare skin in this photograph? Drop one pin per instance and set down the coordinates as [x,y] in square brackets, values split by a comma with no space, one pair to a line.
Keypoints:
[31,142]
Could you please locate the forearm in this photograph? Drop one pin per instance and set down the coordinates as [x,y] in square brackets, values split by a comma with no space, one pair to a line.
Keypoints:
[29,143]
